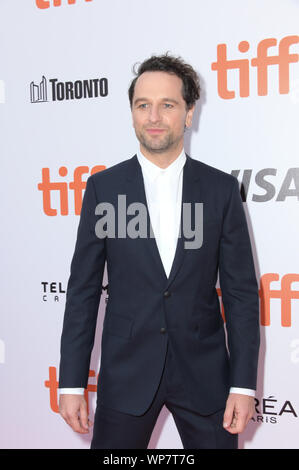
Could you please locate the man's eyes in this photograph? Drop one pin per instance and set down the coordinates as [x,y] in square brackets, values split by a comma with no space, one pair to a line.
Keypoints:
[146,105]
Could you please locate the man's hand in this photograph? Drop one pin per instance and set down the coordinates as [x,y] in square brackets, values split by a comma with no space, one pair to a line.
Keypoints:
[73,409]
[239,410]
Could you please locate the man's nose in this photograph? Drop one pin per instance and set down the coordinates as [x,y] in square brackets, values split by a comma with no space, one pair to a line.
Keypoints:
[154,115]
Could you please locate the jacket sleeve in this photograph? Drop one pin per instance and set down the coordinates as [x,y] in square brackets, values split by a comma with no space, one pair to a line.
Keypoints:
[239,293]
[82,297]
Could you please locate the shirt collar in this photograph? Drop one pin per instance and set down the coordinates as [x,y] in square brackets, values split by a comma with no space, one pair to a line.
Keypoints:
[152,169]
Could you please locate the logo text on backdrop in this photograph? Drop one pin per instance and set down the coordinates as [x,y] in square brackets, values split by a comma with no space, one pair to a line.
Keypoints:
[262,61]
[60,91]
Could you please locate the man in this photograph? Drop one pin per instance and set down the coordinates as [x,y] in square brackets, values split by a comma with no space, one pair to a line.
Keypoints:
[163,338]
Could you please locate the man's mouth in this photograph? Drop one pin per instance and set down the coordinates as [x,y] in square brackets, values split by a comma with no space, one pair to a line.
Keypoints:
[155,131]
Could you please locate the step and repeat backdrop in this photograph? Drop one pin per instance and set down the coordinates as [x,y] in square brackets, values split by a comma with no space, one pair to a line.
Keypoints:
[65,68]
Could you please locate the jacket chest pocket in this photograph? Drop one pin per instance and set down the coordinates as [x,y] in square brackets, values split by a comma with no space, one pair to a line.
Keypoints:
[118,325]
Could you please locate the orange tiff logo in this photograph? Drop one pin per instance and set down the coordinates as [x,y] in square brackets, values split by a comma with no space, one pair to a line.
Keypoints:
[52,384]
[262,61]
[43,4]
[285,294]
[77,185]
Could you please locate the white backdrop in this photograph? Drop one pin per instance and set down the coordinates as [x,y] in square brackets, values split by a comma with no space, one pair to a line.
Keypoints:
[91,46]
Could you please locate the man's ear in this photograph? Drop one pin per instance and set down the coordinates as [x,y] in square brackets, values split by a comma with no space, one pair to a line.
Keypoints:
[189,116]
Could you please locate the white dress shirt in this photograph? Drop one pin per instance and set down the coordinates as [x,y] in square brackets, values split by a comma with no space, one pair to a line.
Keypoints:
[163,190]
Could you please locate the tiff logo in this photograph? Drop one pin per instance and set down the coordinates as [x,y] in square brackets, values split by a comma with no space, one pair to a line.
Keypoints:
[38,93]
[262,61]
[285,294]
[43,4]
[52,384]
[77,186]
[2,92]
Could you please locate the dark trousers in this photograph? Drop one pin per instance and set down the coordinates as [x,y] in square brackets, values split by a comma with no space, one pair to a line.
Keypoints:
[117,430]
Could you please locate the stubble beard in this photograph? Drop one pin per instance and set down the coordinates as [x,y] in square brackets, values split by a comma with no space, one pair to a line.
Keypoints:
[160,145]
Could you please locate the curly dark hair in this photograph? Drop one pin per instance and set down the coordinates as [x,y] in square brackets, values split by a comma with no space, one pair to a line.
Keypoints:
[172,65]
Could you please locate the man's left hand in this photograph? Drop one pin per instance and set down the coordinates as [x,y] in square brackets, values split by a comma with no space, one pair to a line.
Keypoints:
[239,410]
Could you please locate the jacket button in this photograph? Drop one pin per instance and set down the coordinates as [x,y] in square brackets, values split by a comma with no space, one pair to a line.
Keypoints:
[167,293]
[163,330]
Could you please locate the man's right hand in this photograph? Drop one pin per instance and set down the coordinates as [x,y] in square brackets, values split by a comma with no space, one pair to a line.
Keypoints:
[73,409]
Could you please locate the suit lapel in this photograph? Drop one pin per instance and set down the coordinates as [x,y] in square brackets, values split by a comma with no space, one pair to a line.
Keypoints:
[188,196]
[135,192]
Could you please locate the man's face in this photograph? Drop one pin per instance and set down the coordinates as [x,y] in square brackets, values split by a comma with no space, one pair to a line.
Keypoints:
[159,112]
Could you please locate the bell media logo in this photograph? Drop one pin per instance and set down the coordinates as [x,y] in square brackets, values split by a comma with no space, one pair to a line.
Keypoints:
[61,91]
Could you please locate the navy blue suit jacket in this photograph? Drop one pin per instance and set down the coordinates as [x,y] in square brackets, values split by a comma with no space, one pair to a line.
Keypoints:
[145,309]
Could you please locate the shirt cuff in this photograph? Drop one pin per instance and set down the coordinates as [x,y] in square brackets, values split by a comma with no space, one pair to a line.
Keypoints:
[69,391]
[242,391]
